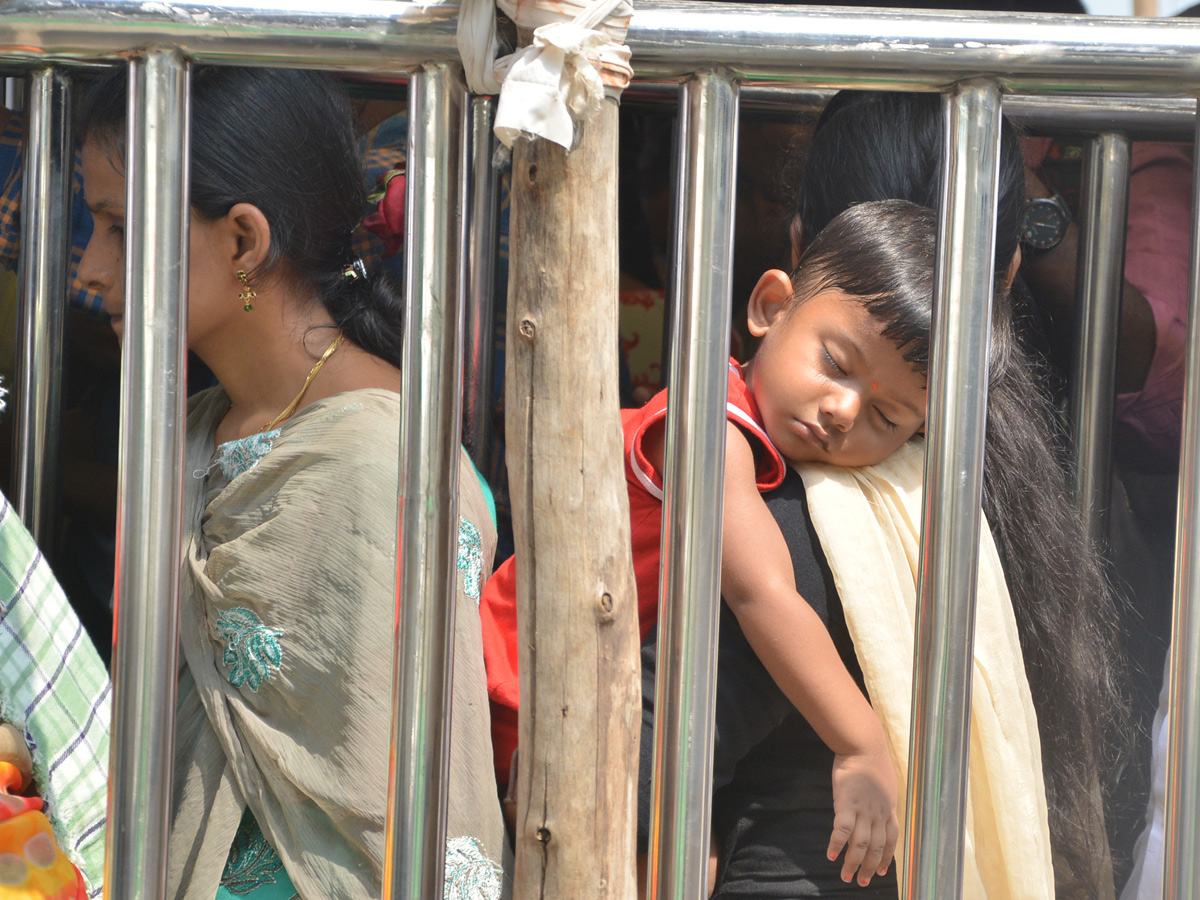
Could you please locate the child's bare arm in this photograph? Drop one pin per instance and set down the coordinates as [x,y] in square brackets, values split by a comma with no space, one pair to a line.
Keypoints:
[793,644]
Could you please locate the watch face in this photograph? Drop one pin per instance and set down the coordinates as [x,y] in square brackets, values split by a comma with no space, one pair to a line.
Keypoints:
[1045,224]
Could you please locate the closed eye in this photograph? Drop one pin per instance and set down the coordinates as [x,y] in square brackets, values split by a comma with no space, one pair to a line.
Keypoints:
[888,423]
[832,362]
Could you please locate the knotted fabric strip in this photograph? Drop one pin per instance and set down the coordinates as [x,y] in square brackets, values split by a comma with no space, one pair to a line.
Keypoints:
[577,58]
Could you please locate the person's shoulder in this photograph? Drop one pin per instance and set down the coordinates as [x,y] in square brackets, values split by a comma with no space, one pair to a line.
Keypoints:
[206,403]
[371,414]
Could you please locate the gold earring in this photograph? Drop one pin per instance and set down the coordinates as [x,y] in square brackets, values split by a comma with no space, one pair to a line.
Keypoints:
[246,295]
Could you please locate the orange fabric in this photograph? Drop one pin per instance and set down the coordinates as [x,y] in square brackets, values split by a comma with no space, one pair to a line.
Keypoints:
[32,867]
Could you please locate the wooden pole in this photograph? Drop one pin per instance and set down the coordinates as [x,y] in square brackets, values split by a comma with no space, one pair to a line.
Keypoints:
[577,600]
[1145,7]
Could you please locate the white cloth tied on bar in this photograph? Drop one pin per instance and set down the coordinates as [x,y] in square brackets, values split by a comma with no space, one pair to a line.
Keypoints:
[554,82]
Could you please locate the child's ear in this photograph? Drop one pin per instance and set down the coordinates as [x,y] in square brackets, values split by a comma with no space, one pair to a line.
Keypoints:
[768,300]
[252,235]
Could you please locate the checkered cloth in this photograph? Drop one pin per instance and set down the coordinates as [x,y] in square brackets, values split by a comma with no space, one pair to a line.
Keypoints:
[54,686]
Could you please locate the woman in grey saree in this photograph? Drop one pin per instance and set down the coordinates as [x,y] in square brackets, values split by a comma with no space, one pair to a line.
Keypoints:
[284,709]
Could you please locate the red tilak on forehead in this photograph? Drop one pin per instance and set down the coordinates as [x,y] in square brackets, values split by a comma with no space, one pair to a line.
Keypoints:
[875,385]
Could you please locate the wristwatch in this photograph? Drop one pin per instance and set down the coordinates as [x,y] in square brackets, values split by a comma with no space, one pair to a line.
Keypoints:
[1046,220]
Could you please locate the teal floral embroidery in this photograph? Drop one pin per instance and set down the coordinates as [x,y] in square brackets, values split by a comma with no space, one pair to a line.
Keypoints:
[253,866]
[470,558]
[251,651]
[469,874]
[238,457]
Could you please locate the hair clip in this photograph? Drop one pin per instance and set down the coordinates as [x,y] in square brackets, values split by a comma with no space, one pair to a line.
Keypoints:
[355,271]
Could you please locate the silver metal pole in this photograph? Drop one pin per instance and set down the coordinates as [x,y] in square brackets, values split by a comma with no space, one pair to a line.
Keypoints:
[1142,118]
[14,93]
[945,626]
[384,36]
[430,431]
[910,48]
[1097,319]
[691,544]
[670,38]
[45,229]
[1181,822]
[149,523]
[484,214]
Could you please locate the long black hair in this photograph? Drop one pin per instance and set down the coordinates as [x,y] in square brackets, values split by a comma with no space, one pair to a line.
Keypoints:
[282,140]
[872,146]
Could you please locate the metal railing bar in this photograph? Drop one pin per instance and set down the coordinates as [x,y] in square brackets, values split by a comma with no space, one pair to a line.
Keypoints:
[42,307]
[149,524]
[430,431]
[1141,118]
[482,247]
[690,579]
[1098,285]
[945,625]
[386,36]
[915,49]
[1181,821]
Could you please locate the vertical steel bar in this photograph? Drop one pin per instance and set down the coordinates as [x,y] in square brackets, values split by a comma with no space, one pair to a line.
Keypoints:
[1181,823]
[953,486]
[482,242]
[149,521]
[430,431]
[14,93]
[46,226]
[1097,319]
[692,501]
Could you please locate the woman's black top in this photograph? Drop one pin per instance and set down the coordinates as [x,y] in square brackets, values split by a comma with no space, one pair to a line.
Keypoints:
[772,775]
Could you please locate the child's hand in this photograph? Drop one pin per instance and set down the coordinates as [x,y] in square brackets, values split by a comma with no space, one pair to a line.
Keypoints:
[864,814]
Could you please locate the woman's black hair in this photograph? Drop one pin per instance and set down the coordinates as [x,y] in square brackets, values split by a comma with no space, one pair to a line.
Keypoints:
[282,140]
[883,253]
[874,146]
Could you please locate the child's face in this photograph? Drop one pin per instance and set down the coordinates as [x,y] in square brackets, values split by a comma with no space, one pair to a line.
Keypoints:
[830,387]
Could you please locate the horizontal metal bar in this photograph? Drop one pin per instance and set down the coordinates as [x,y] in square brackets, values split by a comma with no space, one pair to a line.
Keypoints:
[1141,118]
[836,47]
[358,35]
[915,49]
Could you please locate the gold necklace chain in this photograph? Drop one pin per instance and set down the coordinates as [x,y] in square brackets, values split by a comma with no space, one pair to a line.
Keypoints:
[291,407]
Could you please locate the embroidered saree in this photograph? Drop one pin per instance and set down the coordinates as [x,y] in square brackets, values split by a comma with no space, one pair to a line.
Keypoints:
[286,633]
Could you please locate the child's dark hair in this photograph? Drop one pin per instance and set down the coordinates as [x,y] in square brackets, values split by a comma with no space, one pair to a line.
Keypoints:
[884,254]
[873,146]
[282,140]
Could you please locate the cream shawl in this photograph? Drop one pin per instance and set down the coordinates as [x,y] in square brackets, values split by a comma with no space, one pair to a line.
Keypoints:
[868,521]
[287,637]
